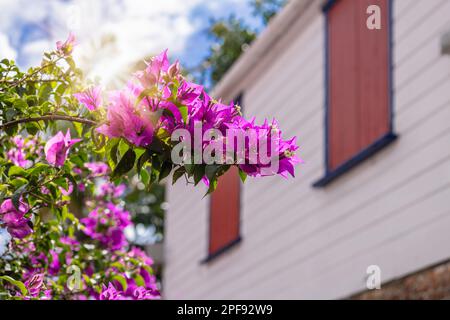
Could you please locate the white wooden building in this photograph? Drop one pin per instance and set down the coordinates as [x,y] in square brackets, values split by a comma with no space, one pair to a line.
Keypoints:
[383,201]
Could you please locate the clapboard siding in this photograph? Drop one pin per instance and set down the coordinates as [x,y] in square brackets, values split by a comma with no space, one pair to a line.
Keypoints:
[300,242]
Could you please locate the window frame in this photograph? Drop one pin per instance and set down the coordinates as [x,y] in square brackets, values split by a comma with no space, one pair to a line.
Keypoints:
[385,140]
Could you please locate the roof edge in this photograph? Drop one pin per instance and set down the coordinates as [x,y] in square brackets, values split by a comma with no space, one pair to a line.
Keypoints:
[275,30]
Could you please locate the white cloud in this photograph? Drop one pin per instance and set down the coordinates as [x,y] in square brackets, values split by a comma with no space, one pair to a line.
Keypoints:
[34,50]
[5,238]
[6,50]
[139,28]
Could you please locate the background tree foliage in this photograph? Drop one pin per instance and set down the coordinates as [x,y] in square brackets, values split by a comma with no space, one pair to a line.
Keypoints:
[230,37]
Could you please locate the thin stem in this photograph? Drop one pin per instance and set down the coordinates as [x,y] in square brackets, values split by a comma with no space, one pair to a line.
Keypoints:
[187,179]
[32,80]
[50,117]
[30,75]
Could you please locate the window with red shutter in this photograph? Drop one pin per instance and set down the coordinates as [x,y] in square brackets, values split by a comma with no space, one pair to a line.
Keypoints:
[224,224]
[358,85]
[224,212]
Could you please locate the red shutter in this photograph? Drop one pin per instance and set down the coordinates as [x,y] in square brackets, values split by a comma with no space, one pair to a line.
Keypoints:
[358,59]
[224,212]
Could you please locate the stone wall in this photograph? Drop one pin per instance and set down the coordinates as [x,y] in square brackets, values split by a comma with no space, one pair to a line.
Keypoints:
[432,283]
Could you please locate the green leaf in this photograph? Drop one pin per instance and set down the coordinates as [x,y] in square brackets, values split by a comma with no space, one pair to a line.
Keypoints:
[177,174]
[156,169]
[20,104]
[61,182]
[37,169]
[148,269]
[167,113]
[125,164]
[199,173]
[112,155]
[156,146]
[46,107]
[61,89]
[18,182]
[59,93]
[16,171]
[72,180]
[19,284]
[53,190]
[146,93]
[32,128]
[140,282]
[184,113]
[78,128]
[44,92]
[77,160]
[122,280]
[165,170]
[12,130]
[145,177]
[10,114]
[211,171]
[189,168]
[122,147]
[212,186]
[222,169]
[147,155]
[98,139]
[242,175]
[71,63]
[17,195]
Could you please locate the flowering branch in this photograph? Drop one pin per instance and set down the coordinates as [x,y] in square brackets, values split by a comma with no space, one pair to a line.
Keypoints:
[50,117]
[11,82]
[35,72]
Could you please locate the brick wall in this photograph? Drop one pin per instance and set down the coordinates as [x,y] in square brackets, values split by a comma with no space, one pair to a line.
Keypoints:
[431,283]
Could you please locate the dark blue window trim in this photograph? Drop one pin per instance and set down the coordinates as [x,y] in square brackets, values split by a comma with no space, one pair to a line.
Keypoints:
[214,255]
[222,250]
[382,142]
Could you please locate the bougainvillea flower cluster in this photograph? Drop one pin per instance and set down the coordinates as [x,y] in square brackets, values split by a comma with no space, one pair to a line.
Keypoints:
[91,97]
[159,99]
[14,218]
[18,154]
[66,47]
[107,225]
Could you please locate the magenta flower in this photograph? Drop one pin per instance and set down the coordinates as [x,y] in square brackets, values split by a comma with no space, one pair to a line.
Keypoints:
[91,97]
[156,67]
[81,187]
[189,92]
[17,225]
[54,266]
[97,168]
[34,284]
[66,47]
[18,154]
[68,191]
[107,226]
[57,148]
[127,121]
[140,293]
[71,242]
[110,293]
[112,190]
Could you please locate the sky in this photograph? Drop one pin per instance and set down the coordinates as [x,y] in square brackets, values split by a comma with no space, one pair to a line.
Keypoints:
[112,34]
